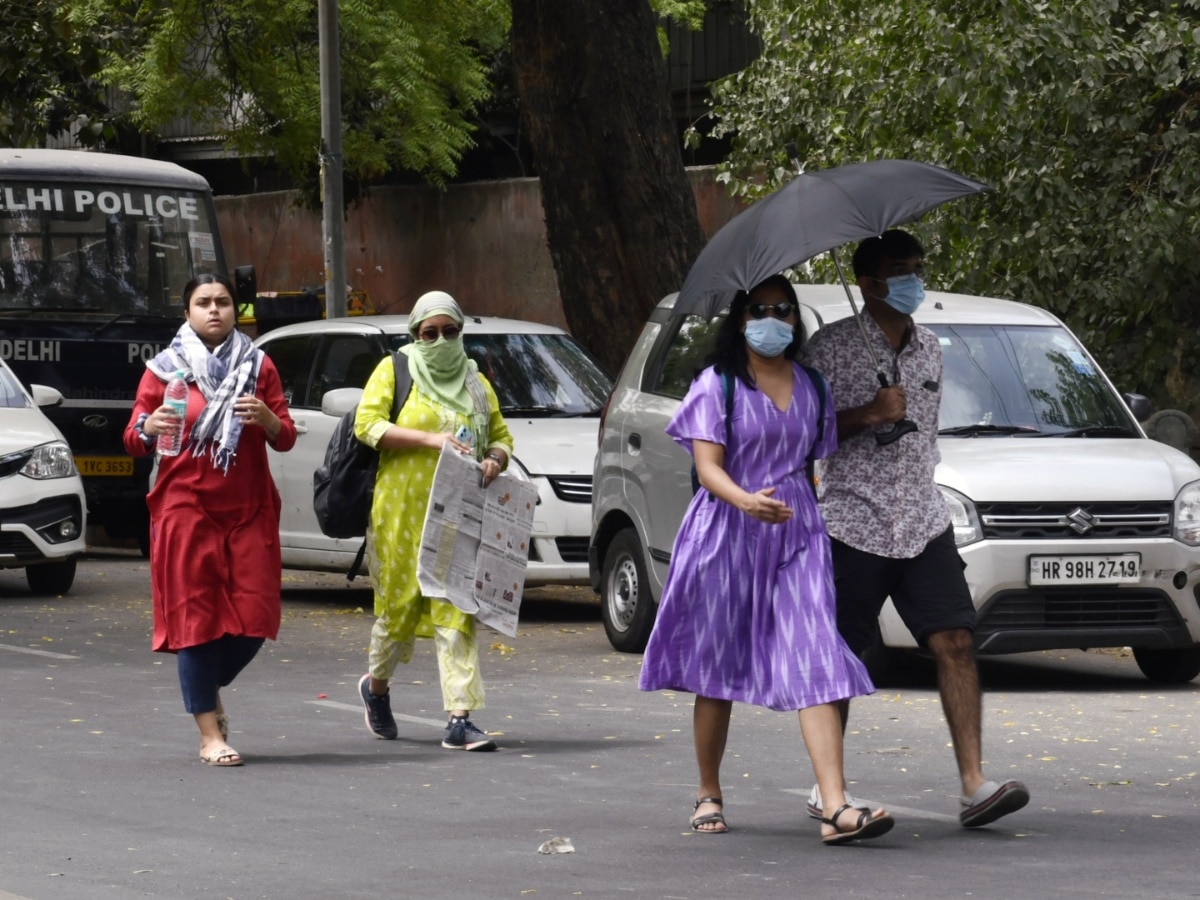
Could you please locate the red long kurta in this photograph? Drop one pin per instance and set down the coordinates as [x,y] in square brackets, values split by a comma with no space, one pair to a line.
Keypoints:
[214,538]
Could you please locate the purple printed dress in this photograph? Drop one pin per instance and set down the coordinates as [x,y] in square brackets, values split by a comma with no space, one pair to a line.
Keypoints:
[747,613]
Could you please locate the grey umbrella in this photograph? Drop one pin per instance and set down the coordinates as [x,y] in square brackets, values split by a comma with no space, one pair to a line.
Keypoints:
[814,212]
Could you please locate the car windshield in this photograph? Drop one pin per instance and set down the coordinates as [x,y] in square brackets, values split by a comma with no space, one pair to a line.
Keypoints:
[1010,379]
[11,396]
[538,374]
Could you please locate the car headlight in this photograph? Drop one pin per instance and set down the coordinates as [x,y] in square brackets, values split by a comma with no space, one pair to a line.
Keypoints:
[516,470]
[50,461]
[1187,514]
[964,518]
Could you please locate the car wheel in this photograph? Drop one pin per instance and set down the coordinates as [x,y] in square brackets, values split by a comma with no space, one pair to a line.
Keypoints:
[626,605]
[51,578]
[1173,666]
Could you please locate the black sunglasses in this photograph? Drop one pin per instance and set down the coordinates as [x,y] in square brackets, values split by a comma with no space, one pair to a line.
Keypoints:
[778,310]
[431,334]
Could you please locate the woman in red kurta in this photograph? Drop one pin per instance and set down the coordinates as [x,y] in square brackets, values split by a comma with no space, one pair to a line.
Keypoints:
[214,510]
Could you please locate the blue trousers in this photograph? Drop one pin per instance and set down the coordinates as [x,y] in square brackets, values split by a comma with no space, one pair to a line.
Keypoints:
[205,668]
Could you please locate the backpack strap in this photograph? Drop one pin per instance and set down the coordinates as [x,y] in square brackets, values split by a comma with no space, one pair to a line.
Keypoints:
[822,388]
[404,383]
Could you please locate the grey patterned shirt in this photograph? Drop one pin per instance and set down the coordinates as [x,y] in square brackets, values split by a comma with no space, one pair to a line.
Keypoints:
[882,500]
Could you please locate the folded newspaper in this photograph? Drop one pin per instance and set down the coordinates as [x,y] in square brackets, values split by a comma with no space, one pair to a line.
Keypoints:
[475,543]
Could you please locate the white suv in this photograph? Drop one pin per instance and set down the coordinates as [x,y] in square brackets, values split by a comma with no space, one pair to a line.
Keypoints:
[1078,531]
[42,507]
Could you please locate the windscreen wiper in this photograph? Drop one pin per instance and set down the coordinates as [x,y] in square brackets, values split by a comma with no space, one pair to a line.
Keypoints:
[134,318]
[973,430]
[534,411]
[1095,431]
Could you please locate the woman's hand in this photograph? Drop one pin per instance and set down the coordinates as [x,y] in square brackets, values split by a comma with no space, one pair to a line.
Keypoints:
[163,420]
[763,507]
[252,411]
[491,468]
[439,439]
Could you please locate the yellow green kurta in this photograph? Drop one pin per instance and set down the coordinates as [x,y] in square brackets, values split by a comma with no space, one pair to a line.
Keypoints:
[402,497]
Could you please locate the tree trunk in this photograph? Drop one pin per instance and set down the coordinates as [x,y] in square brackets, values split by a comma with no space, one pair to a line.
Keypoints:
[621,217]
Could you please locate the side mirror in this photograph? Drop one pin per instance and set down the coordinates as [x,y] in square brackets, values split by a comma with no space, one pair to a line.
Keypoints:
[245,283]
[1139,405]
[340,401]
[45,396]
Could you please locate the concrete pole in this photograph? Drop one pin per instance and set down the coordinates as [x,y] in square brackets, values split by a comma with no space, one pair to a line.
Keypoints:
[331,160]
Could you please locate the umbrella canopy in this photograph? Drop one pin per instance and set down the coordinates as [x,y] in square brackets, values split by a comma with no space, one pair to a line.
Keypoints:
[813,213]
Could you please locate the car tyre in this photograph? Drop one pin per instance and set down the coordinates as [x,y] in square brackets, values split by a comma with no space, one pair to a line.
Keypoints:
[51,578]
[1177,665]
[626,605]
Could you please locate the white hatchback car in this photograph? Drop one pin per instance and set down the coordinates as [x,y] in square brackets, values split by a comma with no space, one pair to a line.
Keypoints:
[42,507]
[550,389]
[1077,530]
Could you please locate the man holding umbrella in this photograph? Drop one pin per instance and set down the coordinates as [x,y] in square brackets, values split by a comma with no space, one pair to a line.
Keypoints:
[890,526]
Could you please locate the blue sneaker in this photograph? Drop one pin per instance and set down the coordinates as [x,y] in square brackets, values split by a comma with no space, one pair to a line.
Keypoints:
[461,734]
[379,710]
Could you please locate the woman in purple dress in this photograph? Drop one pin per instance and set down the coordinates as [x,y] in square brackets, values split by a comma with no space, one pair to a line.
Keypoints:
[747,613]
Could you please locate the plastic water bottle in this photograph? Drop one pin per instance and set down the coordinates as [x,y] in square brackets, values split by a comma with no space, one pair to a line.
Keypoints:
[176,397]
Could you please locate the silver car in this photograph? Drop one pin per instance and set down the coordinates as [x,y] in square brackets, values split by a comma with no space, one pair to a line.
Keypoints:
[550,391]
[1077,530]
[42,507]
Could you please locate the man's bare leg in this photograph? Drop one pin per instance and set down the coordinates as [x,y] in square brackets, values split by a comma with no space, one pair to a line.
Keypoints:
[958,684]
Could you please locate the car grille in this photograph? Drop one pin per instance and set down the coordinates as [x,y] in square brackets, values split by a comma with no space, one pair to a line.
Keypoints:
[572,549]
[1016,621]
[13,462]
[573,489]
[1075,521]
[13,543]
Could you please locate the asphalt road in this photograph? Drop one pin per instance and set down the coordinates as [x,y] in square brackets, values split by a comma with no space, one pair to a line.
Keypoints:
[104,796]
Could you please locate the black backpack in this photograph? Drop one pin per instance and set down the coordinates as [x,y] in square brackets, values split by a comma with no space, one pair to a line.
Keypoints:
[345,483]
[819,383]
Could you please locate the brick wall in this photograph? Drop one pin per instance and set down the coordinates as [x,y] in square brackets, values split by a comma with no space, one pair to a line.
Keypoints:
[483,242]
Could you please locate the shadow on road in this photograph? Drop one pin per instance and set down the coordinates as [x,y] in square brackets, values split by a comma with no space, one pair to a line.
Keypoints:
[1096,671]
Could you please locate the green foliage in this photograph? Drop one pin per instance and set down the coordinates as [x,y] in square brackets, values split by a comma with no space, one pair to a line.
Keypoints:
[248,71]
[48,77]
[1082,114]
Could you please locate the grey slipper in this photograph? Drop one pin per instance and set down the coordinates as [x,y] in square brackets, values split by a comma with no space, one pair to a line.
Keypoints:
[992,801]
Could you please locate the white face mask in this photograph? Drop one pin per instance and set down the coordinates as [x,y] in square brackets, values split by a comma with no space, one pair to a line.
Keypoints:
[769,336]
[905,293]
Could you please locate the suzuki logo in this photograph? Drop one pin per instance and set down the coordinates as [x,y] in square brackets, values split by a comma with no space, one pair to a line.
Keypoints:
[95,421]
[1081,520]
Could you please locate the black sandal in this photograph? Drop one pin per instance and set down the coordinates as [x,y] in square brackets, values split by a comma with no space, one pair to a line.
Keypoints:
[710,819]
[867,826]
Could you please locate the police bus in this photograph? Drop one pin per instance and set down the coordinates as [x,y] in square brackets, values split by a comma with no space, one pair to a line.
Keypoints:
[94,251]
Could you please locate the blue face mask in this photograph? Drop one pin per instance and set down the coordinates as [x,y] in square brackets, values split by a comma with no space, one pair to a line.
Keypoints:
[905,293]
[769,336]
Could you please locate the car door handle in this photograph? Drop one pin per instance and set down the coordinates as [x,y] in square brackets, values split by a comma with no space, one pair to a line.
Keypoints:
[301,428]
[635,441]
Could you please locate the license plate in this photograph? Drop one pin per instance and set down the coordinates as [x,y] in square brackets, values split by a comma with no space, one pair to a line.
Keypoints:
[104,465]
[1117,568]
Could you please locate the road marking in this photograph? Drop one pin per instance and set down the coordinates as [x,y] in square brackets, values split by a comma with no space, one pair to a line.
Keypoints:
[907,812]
[33,652]
[400,717]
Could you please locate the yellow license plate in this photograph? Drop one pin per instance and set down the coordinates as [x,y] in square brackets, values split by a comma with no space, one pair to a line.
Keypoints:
[104,465]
